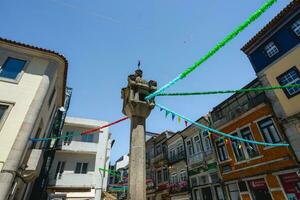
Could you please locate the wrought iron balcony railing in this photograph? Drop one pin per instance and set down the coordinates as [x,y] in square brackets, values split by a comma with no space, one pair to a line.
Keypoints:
[177,157]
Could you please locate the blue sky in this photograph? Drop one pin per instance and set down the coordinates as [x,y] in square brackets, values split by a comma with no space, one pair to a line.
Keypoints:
[103,40]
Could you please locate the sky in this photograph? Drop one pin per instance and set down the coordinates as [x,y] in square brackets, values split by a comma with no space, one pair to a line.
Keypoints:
[103,41]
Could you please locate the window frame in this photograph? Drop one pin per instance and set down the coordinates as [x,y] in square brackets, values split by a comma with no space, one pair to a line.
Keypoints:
[266,52]
[246,144]
[233,142]
[276,128]
[6,113]
[4,59]
[278,78]
[190,154]
[205,138]
[293,30]
[218,153]
[81,167]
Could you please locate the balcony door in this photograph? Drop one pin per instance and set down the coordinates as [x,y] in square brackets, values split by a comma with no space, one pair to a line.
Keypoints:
[206,193]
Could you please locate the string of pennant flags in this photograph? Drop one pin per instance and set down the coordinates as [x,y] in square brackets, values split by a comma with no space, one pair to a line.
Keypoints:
[86,132]
[216,48]
[212,130]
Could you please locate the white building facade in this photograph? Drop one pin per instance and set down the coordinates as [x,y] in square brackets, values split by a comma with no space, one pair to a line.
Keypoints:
[75,171]
[32,89]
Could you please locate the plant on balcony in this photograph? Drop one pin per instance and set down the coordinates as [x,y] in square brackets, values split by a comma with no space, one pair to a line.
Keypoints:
[178,187]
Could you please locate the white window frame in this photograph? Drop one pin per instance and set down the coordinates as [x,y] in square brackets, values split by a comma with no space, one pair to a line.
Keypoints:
[205,140]
[6,113]
[7,55]
[188,149]
[197,144]
[262,134]
[271,49]
[81,167]
[226,151]
[286,78]
[183,173]
[296,27]
[245,145]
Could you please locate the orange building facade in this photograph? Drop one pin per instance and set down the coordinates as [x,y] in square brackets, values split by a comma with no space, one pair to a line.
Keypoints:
[252,171]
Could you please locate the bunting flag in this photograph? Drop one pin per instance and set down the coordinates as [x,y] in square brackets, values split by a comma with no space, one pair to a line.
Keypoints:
[167,113]
[179,119]
[173,116]
[160,109]
[185,123]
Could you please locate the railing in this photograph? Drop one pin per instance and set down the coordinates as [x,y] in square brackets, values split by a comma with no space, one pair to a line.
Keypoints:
[178,157]
[181,186]
[196,158]
[163,186]
[230,114]
[159,157]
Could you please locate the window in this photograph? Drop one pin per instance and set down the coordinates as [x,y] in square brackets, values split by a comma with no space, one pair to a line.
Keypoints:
[67,140]
[183,176]
[172,153]
[174,178]
[237,149]
[158,149]
[194,181]
[59,169]
[296,27]
[251,148]
[206,143]
[11,68]
[3,109]
[190,147]
[271,49]
[159,177]
[87,138]
[219,193]
[234,192]
[242,186]
[292,76]
[197,143]
[180,148]
[269,131]
[222,152]
[81,168]
[165,173]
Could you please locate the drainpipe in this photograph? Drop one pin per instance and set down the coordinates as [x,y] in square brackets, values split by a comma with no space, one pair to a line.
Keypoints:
[13,161]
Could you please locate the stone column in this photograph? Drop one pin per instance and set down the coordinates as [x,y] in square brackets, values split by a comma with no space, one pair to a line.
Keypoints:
[137,163]
[138,109]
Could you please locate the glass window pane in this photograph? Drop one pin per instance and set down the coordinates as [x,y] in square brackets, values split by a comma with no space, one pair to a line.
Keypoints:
[12,67]
[84,168]
[3,108]
[271,49]
[296,27]
[78,168]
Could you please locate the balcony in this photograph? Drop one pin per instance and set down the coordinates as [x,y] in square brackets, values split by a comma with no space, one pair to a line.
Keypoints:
[78,146]
[233,108]
[159,160]
[176,158]
[178,187]
[163,186]
[68,179]
[196,158]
